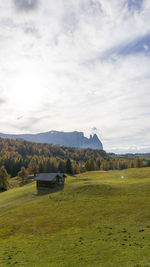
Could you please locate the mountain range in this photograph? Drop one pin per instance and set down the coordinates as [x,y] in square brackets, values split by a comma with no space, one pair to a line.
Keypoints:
[71,139]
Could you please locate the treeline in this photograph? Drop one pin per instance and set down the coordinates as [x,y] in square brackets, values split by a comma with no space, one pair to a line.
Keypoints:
[118,164]
[114,164]
[15,154]
[21,158]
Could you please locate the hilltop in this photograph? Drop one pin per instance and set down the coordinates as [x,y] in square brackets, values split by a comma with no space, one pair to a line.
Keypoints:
[70,139]
[97,220]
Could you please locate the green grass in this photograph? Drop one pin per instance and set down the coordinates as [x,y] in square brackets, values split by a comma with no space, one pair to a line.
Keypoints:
[98,220]
[18,182]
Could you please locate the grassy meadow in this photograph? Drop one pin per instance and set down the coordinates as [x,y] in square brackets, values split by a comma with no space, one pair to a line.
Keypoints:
[98,220]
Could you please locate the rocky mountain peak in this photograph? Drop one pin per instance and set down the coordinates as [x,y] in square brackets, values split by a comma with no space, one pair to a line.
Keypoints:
[72,139]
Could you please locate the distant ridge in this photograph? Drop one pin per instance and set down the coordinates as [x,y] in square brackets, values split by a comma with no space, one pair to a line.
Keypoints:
[71,139]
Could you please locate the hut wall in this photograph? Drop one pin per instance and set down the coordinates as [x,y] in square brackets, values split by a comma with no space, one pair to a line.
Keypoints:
[44,184]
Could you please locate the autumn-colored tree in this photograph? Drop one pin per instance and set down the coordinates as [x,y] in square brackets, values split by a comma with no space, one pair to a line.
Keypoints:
[23,173]
[115,165]
[33,166]
[105,165]
[91,165]
[75,168]
[4,179]
[54,164]
[138,163]
[50,158]
[131,164]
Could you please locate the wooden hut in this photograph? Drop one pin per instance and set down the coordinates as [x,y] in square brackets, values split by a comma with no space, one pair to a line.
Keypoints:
[49,180]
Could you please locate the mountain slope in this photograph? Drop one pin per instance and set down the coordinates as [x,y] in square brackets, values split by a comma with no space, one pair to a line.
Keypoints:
[72,139]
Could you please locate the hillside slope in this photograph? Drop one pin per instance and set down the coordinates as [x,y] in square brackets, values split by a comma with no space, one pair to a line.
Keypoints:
[98,219]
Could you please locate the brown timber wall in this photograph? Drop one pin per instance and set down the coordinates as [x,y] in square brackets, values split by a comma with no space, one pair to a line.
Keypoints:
[44,184]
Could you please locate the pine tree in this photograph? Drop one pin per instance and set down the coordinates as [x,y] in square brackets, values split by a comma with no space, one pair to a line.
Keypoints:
[62,166]
[4,179]
[48,166]
[138,163]
[69,167]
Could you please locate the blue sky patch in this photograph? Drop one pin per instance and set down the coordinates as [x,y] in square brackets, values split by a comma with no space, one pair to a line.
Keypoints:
[139,45]
[134,4]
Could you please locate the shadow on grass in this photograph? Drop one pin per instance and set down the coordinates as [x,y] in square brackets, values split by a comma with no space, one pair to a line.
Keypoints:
[45,191]
[18,182]
[2,189]
[28,181]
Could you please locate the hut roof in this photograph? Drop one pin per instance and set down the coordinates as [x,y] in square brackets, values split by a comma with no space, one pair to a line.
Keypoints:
[48,176]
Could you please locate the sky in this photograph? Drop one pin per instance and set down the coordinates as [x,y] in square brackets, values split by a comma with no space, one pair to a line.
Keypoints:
[77,65]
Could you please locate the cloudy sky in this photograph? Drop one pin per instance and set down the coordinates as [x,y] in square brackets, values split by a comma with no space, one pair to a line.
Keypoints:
[77,65]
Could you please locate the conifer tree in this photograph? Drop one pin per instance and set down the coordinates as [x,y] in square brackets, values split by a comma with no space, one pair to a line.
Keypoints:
[33,166]
[23,173]
[138,163]
[69,167]
[75,168]
[148,163]
[91,165]
[4,179]
[105,165]
[62,166]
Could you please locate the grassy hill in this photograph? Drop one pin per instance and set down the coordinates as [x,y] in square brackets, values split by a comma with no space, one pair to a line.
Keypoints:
[98,219]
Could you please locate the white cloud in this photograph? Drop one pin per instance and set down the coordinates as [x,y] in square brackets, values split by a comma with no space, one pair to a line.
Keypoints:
[55,73]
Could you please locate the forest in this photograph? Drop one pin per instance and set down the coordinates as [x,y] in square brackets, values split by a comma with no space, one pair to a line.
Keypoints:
[15,154]
[21,158]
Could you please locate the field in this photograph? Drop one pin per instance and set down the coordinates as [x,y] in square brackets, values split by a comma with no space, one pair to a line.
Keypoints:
[98,220]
